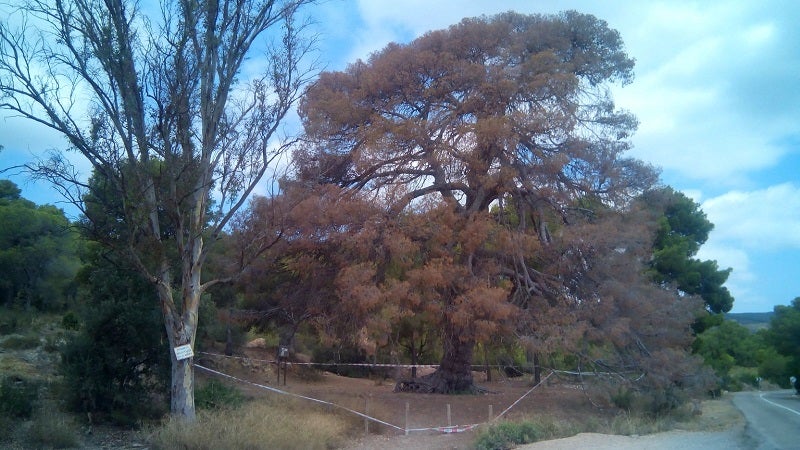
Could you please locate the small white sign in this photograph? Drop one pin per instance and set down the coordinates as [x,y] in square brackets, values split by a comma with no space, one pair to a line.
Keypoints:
[183,352]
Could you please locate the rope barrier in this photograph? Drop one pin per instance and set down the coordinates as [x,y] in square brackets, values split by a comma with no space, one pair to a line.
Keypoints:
[441,429]
[425,366]
[404,366]
[523,396]
[292,394]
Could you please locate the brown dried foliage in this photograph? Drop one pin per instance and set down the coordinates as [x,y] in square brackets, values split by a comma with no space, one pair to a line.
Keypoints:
[467,167]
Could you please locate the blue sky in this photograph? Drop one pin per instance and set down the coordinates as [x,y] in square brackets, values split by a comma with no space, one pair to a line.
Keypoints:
[717,94]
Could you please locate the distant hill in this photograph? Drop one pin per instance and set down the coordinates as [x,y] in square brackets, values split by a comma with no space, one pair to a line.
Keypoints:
[753,321]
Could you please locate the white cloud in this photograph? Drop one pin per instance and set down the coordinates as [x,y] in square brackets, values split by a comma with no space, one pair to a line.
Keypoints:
[715,99]
[729,257]
[766,219]
[742,281]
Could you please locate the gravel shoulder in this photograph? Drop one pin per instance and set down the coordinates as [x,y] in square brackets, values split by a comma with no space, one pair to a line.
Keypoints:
[733,438]
[721,426]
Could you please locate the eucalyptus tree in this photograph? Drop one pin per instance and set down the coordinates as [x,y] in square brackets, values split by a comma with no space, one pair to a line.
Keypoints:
[176,105]
[502,128]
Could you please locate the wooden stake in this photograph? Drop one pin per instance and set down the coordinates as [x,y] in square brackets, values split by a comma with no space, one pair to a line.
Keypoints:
[407,418]
[366,413]
[449,419]
[490,413]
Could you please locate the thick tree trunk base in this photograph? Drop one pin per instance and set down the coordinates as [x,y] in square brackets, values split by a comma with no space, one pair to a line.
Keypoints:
[182,402]
[439,383]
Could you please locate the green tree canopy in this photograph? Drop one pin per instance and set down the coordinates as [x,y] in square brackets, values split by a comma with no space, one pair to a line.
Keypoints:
[9,190]
[784,334]
[37,251]
[726,345]
[682,230]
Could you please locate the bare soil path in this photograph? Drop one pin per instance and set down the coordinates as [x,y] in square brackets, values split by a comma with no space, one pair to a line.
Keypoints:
[721,425]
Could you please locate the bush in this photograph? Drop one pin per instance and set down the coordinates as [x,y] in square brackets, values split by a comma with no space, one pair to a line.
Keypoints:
[70,321]
[214,394]
[623,399]
[18,397]
[507,435]
[116,367]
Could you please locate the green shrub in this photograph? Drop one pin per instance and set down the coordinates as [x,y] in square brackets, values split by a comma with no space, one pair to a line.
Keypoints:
[774,367]
[70,321]
[116,367]
[745,375]
[507,435]
[214,394]
[622,399]
[18,397]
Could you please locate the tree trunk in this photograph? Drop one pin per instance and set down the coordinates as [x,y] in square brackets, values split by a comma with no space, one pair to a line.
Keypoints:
[454,374]
[414,356]
[181,330]
[455,371]
[486,364]
[228,340]
[182,389]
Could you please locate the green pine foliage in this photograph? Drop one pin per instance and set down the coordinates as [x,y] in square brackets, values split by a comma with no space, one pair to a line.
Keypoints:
[116,366]
[37,252]
[682,230]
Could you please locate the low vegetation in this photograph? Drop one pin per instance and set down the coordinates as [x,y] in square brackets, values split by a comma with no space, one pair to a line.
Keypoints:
[715,415]
[213,394]
[53,429]
[263,424]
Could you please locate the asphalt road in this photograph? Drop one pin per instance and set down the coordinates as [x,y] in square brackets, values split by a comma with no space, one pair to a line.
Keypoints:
[773,418]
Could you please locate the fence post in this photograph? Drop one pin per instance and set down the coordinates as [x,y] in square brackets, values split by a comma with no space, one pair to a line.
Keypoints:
[407,418]
[366,413]
[490,413]
[449,419]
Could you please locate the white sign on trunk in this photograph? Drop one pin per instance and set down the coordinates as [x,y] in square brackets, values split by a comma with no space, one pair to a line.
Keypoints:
[183,352]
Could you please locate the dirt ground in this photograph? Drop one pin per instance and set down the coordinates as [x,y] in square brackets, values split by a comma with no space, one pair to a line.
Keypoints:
[375,398]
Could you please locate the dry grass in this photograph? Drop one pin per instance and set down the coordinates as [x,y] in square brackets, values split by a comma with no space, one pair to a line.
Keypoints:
[53,429]
[714,415]
[12,365]
[259,424]
[19,342]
